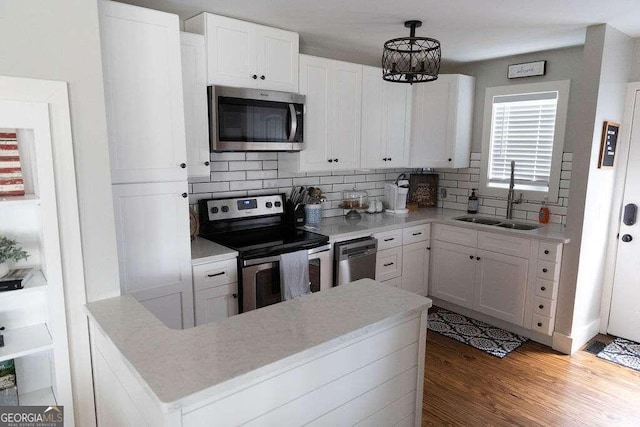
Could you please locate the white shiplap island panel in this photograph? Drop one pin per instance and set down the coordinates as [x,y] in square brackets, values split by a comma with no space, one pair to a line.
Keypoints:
[353,353]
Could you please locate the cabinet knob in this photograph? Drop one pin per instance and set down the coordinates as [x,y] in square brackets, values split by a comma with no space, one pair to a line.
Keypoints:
[183,165]
[546,251]
[330,160]
[389,158]
[254,77]
[544,270]
[428,248]
[384,159]
[541,306]
[262,77]
[478,258]
[184,195]
[470,256]
[539,324]
[206,163]
[335,160]
[234,295]
[449,159]
[543,288]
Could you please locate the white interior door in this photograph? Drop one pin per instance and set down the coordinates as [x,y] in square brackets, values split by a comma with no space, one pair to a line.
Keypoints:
[624,318]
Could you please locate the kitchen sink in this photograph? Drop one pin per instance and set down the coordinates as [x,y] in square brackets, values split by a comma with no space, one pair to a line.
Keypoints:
[497,223]
[485,221]
[517,226]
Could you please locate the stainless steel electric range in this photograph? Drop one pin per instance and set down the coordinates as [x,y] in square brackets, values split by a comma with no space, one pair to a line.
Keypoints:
[258,228]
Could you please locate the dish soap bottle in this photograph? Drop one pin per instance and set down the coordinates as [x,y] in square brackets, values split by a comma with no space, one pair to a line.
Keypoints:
[473,204]
[543,216]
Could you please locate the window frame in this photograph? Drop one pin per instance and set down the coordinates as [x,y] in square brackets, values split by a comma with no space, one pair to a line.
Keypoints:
[560,86]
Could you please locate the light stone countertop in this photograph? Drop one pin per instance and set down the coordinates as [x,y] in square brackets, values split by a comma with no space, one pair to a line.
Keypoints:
[338,228]
[183,367]
[204,251]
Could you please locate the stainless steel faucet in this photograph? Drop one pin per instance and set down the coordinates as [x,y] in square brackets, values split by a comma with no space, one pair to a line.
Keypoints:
[511,196]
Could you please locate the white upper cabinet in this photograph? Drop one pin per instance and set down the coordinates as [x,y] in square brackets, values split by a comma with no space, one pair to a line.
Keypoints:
[333,109]
[194,88]
[143,93]
[441,122]
[386,119]
[243,54]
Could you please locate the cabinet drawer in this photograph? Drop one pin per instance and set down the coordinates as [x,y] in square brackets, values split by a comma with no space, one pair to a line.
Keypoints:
[542,324]
[548,271]
[508,245]
[551,252]
[546,289]
[458,235]
[544,307]
[419,233]
[215,274]
[389,264]
[389,239]
[395,282]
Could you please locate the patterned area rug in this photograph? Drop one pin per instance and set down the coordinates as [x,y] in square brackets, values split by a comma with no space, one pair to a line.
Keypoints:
[623,352]
[475,333]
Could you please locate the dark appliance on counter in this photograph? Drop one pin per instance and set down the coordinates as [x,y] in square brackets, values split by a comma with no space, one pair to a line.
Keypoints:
[257,228]
[255,120]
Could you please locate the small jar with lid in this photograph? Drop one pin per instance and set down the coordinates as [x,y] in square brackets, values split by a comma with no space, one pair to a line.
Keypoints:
[354,199]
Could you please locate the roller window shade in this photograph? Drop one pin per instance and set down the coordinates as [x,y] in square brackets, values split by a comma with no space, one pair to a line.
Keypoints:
[522,129]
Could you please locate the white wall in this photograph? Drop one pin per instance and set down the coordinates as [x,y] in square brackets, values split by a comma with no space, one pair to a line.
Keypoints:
[606,69]
[58,40]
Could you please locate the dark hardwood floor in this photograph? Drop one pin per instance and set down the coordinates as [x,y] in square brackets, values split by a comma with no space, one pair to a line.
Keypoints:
[533,385]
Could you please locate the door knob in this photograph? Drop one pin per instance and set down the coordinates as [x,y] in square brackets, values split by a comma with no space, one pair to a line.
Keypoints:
[184,195]
[183,165]
[206,163]
[627,238]
[262,77]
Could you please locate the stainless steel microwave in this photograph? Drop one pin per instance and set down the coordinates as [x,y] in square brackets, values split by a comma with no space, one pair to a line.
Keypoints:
[255,120]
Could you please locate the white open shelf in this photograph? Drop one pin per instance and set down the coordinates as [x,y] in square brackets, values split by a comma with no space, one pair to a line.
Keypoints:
[23,341]
[27,199]
[42,397]
[36,283]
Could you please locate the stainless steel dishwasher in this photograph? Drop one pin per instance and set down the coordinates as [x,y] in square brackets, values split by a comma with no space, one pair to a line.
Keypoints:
[354,259]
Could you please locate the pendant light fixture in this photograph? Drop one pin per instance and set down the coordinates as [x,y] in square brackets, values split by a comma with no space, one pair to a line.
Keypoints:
[411,59]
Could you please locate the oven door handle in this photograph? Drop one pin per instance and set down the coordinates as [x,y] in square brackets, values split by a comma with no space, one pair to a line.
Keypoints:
[294,123]
[276,258]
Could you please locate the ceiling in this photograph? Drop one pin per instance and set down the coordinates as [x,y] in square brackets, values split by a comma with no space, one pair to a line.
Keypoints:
[469,30]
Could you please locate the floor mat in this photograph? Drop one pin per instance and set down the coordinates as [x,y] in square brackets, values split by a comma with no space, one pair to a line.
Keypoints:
[623,352]
[475,333]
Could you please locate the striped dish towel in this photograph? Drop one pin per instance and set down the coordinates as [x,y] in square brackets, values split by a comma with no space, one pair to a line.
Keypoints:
[11,182]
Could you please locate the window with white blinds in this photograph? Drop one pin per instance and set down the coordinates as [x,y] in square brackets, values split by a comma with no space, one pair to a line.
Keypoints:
[524,123]
[522,130]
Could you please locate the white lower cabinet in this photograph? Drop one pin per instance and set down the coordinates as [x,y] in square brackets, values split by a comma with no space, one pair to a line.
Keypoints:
[215,287]
[501,286]
[389,264]
[453,272]
[415,267]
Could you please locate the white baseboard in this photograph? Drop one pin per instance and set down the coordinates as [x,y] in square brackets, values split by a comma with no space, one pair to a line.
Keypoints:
[570,344]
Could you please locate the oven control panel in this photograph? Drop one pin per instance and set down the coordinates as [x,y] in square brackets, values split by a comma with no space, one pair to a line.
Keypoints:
[245,207]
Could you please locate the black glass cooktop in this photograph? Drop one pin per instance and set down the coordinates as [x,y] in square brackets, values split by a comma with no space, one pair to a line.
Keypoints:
[268,241]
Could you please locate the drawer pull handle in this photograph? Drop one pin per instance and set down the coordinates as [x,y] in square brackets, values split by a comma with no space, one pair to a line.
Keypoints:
[470,256]
[428,248]
[544,270]
[539,324]
[541,306]
[216,274]
[546,251]
[235,295]
[417,234]
[389,239]
[543,288]
[388,264]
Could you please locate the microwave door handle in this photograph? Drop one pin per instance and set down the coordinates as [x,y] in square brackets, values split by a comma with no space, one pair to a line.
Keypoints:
[294,123]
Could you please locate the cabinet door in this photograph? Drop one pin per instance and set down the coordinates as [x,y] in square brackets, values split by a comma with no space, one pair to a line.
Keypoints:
[415,267]
[389,264]
[194,89]
[216,303]
[453,273]
[152,231]
[231,51]
[397,115]
[143,93]
[501,284]
[373,113]
[315,77]
[277,59]
[346,114]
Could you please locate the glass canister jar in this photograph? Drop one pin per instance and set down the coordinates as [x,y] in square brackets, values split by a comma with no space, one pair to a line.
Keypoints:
[354,199]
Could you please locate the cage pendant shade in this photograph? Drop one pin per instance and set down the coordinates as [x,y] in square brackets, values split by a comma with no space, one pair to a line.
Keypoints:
[411,59]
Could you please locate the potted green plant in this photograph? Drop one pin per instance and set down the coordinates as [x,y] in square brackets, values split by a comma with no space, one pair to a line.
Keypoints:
[9,251]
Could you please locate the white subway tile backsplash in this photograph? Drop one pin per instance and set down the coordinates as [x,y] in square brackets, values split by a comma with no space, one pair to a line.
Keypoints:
[262,156]
[268,174]
[245,185]
[313,180]
[219,166]
[355,178]
[270,164]
[280,182]
[227,156]
[228,176]
[567,157]
[332,180]
[475,156]
[210,187]
[245,166]
[289,174]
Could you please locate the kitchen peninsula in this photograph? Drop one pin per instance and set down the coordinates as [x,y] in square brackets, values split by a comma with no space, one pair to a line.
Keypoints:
[349,354]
